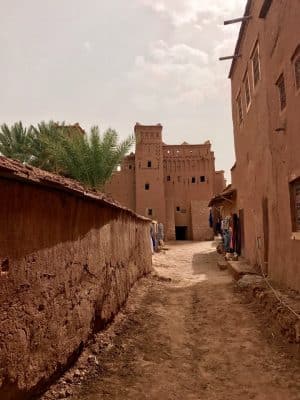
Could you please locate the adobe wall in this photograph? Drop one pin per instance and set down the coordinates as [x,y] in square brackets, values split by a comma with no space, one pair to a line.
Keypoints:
[252,175]
[220,182]
[285,146]
[67,266]
[121,187]
[149,149]
[266,161]
[200,221]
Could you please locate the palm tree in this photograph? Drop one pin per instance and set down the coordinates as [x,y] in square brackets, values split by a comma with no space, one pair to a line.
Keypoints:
[90,159]
[46,137]
[16,142]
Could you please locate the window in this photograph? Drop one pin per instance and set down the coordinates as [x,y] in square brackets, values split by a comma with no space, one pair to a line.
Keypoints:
[239,108]
[177,208]
[149,164]
[150,211]
[295,204]
[130,166]
[255,65]
[193,179]
[247,90]
[297,72]
[178,178]
[281,91]
[147,186]
[168,178]
[202,178]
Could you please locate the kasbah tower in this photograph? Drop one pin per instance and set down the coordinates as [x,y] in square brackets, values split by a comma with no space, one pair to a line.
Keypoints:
[171,184]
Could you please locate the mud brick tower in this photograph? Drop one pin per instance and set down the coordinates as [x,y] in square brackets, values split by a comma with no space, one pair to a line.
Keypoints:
[169,183]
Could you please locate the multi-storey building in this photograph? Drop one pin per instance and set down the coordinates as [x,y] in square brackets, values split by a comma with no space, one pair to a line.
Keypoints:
[265,78]
[169,183]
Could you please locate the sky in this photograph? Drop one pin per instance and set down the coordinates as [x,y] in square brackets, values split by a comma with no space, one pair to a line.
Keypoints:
[113,63]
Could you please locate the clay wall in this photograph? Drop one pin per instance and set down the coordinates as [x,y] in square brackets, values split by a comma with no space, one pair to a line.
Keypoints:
[188,176]
[199,217]
[67,265]
[220,182]
[149,171]
[283,41]
[253,165]
[175,175]
[266,159]
[117,187]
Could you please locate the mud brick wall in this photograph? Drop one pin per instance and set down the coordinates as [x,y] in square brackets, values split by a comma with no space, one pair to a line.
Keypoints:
[67,265]
[200,221]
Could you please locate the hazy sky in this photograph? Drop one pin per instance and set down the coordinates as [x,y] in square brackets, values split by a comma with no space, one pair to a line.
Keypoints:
[117,62]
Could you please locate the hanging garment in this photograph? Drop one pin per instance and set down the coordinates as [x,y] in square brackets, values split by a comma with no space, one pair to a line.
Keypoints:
[210,219]
[225,222]
[160,232]
[234,231]
[226,239]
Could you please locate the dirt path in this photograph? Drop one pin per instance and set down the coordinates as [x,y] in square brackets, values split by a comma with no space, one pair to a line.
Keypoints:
[193,338]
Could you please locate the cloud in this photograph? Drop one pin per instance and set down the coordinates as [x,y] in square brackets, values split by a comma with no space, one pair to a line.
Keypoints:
[87,46]
[172,74]
[178,54]
[192,11]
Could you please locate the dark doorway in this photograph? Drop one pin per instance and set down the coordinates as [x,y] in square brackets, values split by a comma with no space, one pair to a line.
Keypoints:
[181,232]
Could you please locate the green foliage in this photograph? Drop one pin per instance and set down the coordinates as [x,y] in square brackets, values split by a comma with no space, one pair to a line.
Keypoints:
[46,138]
[15,142]
[90,159]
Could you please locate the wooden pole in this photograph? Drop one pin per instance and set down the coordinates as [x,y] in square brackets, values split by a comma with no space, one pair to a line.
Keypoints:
[241,19]
[229,57]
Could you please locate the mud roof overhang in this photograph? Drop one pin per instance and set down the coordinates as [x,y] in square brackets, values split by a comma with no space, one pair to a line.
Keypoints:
[14,170]
[229,195]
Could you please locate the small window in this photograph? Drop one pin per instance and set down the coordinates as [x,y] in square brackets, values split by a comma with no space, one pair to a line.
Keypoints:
[193,179]
[130,166]
[168,178]
[295,204]
[202,178]
[150,211]
[247,91]
[177,208]
[147,186]
[178,178]
[281,91]
[239,108]
[256,65]
[297,72]
[149,164]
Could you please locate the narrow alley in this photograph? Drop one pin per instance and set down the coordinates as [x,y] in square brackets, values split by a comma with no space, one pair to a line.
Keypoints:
[187,334]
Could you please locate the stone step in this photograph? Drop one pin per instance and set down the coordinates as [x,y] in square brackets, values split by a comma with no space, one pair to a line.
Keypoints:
[222,264]
[240,268]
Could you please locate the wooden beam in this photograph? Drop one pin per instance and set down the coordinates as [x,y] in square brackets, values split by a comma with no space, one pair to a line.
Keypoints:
[230,57]
[241,19]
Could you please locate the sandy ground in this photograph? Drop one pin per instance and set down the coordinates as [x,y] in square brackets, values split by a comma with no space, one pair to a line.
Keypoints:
[191,338]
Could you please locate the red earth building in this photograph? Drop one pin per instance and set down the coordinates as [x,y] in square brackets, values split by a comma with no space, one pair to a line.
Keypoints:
[265,81]
[169,183]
